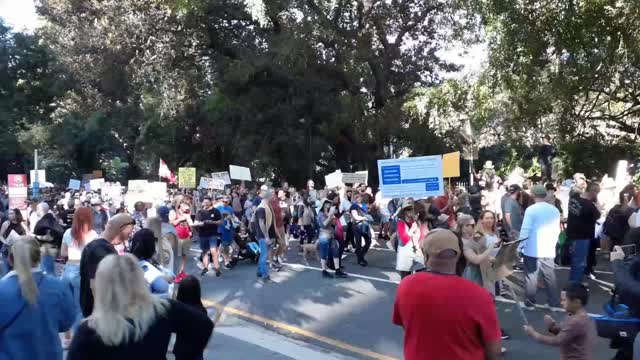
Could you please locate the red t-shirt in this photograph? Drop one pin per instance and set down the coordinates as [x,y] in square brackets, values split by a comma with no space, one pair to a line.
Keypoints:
[277,213]
[441,202]
[444,317]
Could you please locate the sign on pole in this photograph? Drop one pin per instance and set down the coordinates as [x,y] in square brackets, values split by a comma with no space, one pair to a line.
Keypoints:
[18,193]
[451,165]
[74,184]
[417,177]
[355,178]
[239,172]
[222,175]
[334,179]
[42,178]
[187,177]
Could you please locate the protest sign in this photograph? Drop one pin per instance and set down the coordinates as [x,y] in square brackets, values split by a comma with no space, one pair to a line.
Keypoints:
[334,179]
[204,182]
[112,193]
[417,177]
[451,165]
[187,178]
[211,183]
[42,176]
[223,175]
[157,192]
[355,178]
[96,174]
[239,172]
[74,184]
[17,187]
[96,184]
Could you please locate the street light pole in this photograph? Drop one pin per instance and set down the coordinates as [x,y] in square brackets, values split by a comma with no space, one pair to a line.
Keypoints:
[36,184]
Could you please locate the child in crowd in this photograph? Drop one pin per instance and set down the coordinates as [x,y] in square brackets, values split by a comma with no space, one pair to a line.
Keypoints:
[189,293]
[577,334]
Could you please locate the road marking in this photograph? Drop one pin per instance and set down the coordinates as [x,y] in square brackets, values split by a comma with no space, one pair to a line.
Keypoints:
[295,330]
[293,265]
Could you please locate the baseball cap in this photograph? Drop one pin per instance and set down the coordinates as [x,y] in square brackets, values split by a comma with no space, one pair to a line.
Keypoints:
[163,213]
[539,191]
[514,188]
[115,224]
[440,240]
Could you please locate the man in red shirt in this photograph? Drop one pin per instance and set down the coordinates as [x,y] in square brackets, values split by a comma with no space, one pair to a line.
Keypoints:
[443,315]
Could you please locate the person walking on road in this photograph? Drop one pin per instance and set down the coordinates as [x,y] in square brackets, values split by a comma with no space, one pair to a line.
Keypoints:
[539,235]
[513,213]
[208,219]
[264,229]
[409,234]
[361,228]
[581,227]
[181,220]
[445,316]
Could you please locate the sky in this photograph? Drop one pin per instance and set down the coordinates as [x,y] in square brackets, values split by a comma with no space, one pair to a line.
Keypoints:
[19,14]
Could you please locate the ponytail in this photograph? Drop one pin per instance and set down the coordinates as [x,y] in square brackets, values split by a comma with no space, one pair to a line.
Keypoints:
[25,254]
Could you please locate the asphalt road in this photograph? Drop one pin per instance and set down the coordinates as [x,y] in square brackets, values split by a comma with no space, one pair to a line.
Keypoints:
[352,317]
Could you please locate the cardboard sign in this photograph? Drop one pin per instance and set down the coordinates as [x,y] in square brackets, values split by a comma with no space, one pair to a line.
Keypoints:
[451,165]
[187,178]
[240,172]
[74,184]
[42,176]
[18,192]
[333,180]
[96,184]
[97,174]
[416,177]
[223,175]
[355,178]
[137,186]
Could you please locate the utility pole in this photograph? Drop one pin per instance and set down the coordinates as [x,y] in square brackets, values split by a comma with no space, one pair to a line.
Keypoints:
[36,183]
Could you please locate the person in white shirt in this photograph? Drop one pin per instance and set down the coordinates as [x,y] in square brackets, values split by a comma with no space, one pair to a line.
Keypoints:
[540,232]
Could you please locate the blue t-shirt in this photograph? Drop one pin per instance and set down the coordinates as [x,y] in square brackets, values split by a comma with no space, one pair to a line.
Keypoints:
[227,230]
[224,209]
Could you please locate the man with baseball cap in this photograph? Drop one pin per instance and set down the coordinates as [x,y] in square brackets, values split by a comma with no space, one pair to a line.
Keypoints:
[445,316]
[512,210]
[539,235]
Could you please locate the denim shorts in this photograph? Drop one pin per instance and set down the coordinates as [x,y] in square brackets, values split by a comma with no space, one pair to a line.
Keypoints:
[209,242]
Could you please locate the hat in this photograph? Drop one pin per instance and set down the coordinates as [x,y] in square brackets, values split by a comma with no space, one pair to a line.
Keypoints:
[96,201]
[514,188]
[163,213]
[440,240]
[539,191]
[488,164]
[115,224]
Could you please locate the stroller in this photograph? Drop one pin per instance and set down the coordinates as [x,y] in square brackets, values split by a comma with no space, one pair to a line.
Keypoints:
[248,249]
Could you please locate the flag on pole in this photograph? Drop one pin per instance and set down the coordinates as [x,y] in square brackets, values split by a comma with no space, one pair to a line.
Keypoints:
[165,173]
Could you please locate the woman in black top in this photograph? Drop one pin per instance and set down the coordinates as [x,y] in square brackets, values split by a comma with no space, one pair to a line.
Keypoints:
[15,223]
[128,323]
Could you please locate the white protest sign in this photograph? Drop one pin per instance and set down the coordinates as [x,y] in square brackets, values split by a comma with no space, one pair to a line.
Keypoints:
[42,176]
[334,179]
[240,172]
[217,184]
[112,192]
[204,182]
[416,177]
[96,184]
[355,178]
[223,175]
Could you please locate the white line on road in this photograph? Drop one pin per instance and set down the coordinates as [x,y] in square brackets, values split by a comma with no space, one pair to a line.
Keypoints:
[293,265]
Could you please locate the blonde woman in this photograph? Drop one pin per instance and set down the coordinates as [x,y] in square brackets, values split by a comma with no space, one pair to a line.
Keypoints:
[34,307]
[128,323]
[477,254]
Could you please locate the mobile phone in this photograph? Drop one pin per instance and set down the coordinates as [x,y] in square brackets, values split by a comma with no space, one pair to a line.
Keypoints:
[629,250]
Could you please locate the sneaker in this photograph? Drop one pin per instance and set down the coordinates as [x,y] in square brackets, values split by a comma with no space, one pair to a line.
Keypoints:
[275,268]
[202,273]
[218,273]
[344,256]
[276,263]
[527,306]
[340,274]
[326,274]
[227,266]
[504,335]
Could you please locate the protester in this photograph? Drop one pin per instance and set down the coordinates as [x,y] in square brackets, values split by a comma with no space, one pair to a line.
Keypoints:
[189,293]
[49,233]
[581,225]
[513,212]
[34,307]
[117,231]
[328,245]
[100,217]
[616,224]
[181,220]
[546,153]
[14,223]
[409,234]
[576,336]
[539,235]
[159,279]
[73,242]
[281,243]
[128,323]
[139,216]
[361,229]
[265,231]
[477,253]
[306,220]
[445,316]
[208,219]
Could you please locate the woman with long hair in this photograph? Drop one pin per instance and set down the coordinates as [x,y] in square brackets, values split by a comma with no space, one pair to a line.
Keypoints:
[129,323]
[73,242]
[34,307]
[477,253]
[159,279]
[409,234]
[361,220]
[15,223]
[189,293]
[327,243]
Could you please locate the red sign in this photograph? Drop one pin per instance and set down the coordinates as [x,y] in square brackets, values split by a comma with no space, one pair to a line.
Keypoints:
[17,191]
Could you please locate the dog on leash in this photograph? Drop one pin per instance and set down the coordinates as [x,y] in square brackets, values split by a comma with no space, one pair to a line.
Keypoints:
[310,251]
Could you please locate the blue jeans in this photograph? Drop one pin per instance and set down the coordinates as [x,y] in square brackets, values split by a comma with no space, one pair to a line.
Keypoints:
[48,264]
[71,274]
[362,232]
[327,248]
[579,259]
[263,269]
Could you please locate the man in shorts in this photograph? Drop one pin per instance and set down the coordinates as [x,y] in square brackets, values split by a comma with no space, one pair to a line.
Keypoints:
[207,221]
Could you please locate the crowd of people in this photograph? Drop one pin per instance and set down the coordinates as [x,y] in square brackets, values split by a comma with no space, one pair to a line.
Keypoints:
[120,267]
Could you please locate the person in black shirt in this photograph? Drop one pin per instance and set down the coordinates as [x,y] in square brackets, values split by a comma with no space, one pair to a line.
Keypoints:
[263,224]
[546,153]
[207,221]
[581,225]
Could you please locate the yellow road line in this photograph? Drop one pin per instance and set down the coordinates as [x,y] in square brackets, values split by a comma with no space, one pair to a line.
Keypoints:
[293,329]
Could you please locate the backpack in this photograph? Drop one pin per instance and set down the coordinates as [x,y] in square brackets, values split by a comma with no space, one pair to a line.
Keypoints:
[612,225]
